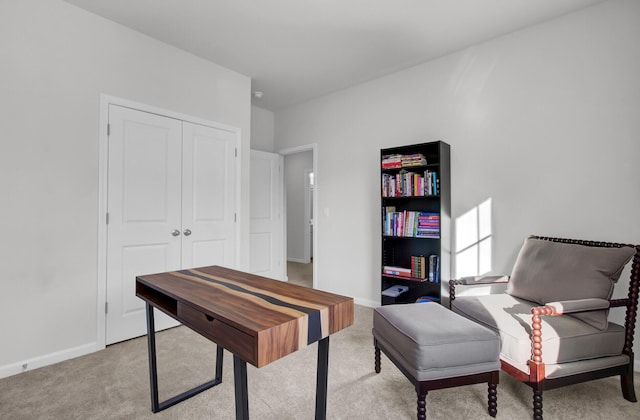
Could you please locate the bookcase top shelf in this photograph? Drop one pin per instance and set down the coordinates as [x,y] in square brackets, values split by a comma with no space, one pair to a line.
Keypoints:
[411,168]
[399,197]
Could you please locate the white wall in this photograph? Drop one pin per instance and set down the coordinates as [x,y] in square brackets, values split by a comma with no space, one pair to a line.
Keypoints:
[544,121]
[295,167]
[262,129]
[55,60]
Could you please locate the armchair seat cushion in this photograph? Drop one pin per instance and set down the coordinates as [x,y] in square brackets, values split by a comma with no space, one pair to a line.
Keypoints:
[564,338]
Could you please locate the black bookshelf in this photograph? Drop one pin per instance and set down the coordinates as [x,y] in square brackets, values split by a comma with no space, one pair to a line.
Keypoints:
[416,216]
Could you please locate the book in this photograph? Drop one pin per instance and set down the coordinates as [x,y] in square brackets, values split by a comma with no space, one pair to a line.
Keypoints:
[418,267]
[410,224]
[396,271]
[434,268]
[414,159]
[409,184]
[392,161]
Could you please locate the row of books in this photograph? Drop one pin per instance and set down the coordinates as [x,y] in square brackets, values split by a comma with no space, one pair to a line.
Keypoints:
[421,268]
[403,161]
[413,224]
[410,184]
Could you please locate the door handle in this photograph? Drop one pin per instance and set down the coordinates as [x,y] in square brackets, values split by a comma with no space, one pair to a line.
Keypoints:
[187,232]
[175,232]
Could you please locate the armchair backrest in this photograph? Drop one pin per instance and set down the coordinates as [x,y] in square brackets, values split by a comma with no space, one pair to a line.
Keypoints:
[583,256]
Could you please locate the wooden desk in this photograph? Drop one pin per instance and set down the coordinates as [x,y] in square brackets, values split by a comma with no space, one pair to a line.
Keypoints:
[257,319]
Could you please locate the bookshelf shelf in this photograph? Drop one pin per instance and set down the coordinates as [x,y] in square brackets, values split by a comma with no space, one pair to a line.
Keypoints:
[415,204]
[408,237]
[407,279]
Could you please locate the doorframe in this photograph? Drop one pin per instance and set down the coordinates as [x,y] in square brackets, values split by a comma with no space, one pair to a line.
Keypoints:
[103,154]
[313,147]
[308,212]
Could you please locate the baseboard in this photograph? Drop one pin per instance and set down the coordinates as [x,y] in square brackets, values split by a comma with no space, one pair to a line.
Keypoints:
[366,302]
[47,359]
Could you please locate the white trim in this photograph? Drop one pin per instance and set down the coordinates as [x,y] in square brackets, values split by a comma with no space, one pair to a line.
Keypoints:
[313,147]
[113,100]
[298,260]
[48,359]
[105,101]
[366,302]
[307,217]
[103,165]
[239,213]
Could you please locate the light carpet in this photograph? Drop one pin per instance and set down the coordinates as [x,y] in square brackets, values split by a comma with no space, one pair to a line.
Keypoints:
[114,384]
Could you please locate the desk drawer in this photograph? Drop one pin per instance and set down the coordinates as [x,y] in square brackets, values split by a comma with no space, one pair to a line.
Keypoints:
[232,339]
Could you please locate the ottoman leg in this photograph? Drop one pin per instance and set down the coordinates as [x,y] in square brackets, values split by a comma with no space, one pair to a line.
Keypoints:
[494,378]
[422,405]
[377,357]
[493,399]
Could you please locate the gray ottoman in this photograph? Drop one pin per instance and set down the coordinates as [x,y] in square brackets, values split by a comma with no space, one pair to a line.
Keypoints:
[436,348]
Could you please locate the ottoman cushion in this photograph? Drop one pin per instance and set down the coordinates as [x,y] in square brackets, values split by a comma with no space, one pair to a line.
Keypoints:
[432,342]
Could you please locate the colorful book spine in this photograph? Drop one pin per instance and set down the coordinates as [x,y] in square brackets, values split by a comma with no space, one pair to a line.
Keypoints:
[418,267]
[410,223]
[410,184]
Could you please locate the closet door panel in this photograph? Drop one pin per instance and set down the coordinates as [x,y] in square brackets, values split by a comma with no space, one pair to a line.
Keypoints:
[144,207]
[208,196]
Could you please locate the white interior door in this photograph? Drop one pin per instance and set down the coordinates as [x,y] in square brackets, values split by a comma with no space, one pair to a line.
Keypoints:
[144,213]
[266,219]
[209,197]
[171,203]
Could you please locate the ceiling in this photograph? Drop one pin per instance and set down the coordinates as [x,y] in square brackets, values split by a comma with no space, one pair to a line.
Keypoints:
[296,50]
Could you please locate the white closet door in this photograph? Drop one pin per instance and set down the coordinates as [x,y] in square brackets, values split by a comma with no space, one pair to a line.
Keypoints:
[266,220]
[144,210]
[209,196]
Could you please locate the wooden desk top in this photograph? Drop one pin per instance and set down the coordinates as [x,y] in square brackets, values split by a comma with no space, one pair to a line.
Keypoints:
[254,317]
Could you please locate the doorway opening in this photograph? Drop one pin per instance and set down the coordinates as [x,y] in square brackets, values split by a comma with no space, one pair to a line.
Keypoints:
[300,205]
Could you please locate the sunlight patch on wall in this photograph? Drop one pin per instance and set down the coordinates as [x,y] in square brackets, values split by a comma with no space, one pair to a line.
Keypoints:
[473,241]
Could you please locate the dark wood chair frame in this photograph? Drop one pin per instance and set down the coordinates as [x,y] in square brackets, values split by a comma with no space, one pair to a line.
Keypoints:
[535,378]
[423,387]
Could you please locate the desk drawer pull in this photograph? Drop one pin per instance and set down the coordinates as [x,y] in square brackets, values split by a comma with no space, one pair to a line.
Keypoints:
[209,317]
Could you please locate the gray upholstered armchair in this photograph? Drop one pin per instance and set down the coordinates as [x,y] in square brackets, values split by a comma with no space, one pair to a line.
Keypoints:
[553,319]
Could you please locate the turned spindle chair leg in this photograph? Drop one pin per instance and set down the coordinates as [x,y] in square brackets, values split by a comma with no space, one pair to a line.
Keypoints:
[537,405]
[493,399]
[422,405]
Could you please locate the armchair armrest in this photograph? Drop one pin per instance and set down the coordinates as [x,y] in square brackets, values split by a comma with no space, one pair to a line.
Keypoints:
[557,309]
[474,281]
[578,305]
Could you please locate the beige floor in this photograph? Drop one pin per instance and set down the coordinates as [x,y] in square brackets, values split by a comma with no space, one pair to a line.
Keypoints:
[299,273]
[113,384]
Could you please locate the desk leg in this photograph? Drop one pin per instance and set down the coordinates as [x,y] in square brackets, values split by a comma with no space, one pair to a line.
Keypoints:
[153,366]
[321,384]
[156,405]
[240,383]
